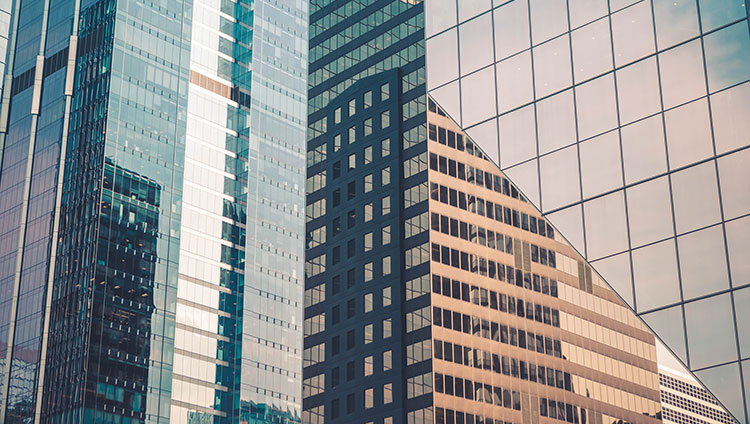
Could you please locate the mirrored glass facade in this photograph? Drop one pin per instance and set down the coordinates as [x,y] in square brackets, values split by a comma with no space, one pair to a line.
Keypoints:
[621,120]
[151,260]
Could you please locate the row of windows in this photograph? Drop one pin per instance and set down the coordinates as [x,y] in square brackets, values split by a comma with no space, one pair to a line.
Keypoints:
[488,268]
[367,129]
[495,300]
[367,244]
[479,206]
[464,355]
[491,330]
[352,162]
[367,183]
[669,398]
[367,305]
[368,213]
[368,335]
[488,238]
[449,416]
[692,390]
[385,94]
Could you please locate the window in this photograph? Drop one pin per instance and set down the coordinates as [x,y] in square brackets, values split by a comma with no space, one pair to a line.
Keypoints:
[387,393]
[368,272]
[351,308]
[314,355]
[416,194]
[385,176]
[386,265]
[367,155]
[352,134]
[352,107]
[313,385]
[351,190]
[367,245]
[417,319]
[315,210]
[368,126]
[336,143]
[368,365]
[368,212]
[367,99]
[351,218]
[416,225]
[419,385]
[352,161]
[368,302]
[350,340]
[350,404]
[384,92]
[386,296]
[336,226]
[368,334]
[351,247]
[385,205]
[385,147]
[369,398]
[387,360]
[350,371]
[316,182]
[337,115]
[419,351]
[385,235]
[387,328]
[335,378]
[385,119]
[315,295]
[368,183]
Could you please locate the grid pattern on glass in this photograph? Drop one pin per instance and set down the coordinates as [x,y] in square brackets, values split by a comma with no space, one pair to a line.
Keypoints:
[655,88]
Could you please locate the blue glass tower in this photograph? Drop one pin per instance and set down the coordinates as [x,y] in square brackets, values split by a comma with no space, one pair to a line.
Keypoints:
[142,179]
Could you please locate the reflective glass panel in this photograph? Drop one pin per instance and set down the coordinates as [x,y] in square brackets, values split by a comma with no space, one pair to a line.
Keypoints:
[668,324]
[442,58]
[655,276]
[729,112]
[710,341]
[475,41]
[448,98]
[632,33]
[695,197]
[592,53]
[724,383]
[585,11]
[511,28]
[606,231]
[601,169]
[741,300]
[638,90]
[739,250]
[552,66]
[439,14]
[478,97]
[549,18]
[727,56]
[517,136]
[556,121]
[703,265]
[469,9]
[616,272]
[515,86]
[715,13]
[649,212]
[676,21]
[559,174]
[569,223]
[485,135]
[688,134]
[681,70]
[643,151]
[734,176]
[596,107]
[526,175]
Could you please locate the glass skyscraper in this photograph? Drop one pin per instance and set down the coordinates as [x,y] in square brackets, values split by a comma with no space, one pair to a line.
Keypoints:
[624,121]
[152,185]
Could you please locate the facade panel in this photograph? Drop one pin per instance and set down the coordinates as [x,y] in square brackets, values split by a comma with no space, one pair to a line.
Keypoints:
[620,137]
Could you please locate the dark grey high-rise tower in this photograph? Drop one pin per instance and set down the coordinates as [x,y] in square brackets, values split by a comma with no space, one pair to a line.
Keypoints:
[620,120]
